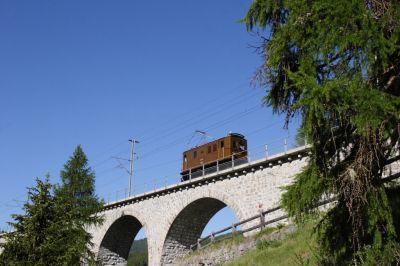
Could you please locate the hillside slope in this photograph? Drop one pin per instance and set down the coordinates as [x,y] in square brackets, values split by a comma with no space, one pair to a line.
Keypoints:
[287,245]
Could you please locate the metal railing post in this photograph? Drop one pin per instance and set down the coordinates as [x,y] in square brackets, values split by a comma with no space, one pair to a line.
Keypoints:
[202,169]
[217,166]
[285,145]
[190,174]
[262,220]
[198,243]
[234,231]
[266,151]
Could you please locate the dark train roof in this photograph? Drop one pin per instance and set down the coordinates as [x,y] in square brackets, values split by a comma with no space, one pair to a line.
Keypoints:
[236,135]
[229,134]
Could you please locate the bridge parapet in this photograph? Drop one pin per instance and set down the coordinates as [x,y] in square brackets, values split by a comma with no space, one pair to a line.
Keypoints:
[174,217]
[243,168]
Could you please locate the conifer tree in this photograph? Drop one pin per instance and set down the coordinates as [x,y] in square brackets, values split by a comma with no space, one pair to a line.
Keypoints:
[78,186]
[336,64]
[77,196]
[31,241]
[53,227]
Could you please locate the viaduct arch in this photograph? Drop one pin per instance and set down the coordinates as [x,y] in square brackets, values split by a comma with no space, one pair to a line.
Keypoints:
[174,217]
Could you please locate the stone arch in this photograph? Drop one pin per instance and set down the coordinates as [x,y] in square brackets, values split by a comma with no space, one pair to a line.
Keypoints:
[117,241]
[190,222]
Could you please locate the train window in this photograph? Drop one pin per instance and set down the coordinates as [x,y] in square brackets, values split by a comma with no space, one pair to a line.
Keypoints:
[209,149]
[215,147]
[222,144]
[236,145]
[194,154]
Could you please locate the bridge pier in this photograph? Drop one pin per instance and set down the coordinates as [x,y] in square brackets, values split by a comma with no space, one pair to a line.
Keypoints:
[174,217]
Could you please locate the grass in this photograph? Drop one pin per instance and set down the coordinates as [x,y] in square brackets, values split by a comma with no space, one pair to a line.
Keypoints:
[138,254]
[224,240]
[295,249]
[137,259]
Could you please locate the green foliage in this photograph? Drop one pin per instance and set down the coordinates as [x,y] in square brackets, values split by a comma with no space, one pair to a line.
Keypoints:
[268,244]
[336,64]
[138,259]
[81,206]
[52,228]
[139,246]
[305,192]
[38,237]
[297,248]
[77,188]
[138,255]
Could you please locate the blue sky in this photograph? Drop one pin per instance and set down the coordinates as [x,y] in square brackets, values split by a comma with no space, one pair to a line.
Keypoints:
[97,73]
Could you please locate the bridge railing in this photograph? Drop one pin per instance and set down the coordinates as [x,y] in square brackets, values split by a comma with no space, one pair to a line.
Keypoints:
[232,231]
[273,147]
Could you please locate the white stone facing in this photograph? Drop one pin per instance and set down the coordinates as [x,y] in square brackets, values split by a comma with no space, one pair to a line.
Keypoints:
[169,233]
[175,217]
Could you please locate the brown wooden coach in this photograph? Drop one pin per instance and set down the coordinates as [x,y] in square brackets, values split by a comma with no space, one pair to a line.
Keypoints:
[231,147]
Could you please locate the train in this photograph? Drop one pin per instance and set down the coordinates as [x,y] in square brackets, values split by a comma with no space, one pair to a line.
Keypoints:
[213,156]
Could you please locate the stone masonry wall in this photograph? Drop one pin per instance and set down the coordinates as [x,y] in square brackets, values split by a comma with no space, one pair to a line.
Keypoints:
[170,226]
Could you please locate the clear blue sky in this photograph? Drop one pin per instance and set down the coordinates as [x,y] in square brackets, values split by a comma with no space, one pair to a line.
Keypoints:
[97,73]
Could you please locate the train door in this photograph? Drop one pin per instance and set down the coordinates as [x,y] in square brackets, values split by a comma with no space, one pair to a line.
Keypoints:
[222,147]
[185,163]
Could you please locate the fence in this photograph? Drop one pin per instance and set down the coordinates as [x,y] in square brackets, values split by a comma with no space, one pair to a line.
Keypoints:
[259,152]
[213,237]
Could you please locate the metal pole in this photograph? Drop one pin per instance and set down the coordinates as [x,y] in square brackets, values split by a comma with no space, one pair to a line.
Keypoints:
[285,145]
[133,141]
[262,220]
[266,150]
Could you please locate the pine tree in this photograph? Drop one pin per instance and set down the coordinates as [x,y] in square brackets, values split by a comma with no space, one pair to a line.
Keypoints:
[336,64]
[52,228]
[77,195]
[30,242]
[78,184]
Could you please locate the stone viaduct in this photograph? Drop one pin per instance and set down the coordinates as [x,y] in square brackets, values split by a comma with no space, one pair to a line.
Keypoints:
[174,217]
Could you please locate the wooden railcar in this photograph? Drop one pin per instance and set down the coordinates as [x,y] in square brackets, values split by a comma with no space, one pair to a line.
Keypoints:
[231,147]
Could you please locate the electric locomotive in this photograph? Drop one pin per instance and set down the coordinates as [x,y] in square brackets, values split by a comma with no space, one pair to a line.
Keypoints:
[213,156]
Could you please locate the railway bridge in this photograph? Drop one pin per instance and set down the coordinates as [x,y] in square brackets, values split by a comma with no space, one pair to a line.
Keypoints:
[174,217]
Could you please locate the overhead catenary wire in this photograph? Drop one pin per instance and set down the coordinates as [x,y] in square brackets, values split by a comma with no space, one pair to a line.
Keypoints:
[234,99]
[188,122]
[183,114]
[213,126]
[178,140]
[177,173]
